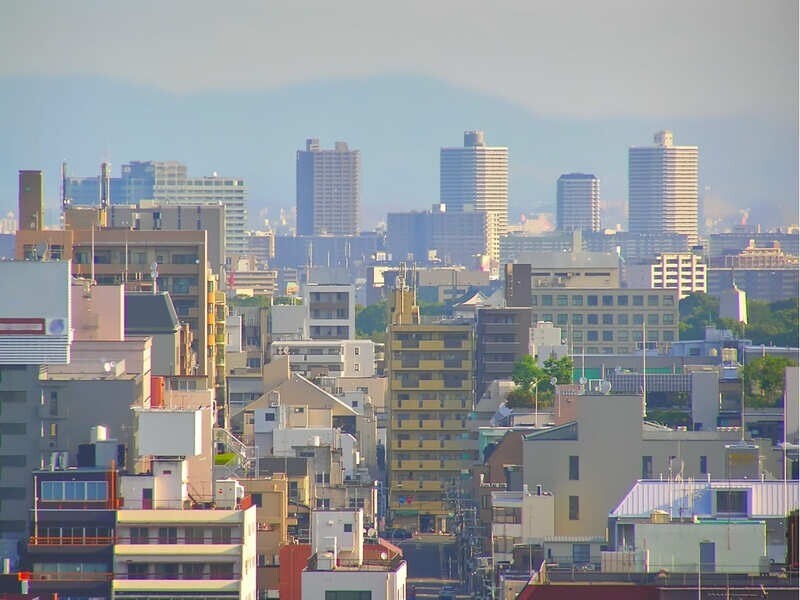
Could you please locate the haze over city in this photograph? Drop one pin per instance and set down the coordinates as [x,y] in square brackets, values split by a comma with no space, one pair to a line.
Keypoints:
[566,86]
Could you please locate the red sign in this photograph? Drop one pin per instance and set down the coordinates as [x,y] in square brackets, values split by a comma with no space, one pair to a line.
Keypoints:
[29,326]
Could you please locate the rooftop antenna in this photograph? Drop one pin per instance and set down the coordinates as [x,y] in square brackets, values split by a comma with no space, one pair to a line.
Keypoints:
[105,184]
[644,369]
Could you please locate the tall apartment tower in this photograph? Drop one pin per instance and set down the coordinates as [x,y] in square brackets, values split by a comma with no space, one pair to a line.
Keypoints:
[31,200]
[328,190]
[429,401]
[578,202]
[662,188]
[475,177]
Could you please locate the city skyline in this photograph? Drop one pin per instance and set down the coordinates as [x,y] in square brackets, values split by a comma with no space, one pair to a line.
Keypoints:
[712,85]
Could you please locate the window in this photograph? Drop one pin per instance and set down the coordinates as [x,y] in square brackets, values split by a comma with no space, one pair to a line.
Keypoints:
[269,416]
[647,467]
[591,300]
[732,502]
[220,535]
[74,491]
[167,535]
[608,319]
[356,350]
[166,571]
[622,319]
[577,319]
[638,300]
[592,319]
[192,570]
[574,508]
[577,301]
[638,318]
[139,535]
[347,595]
[669,300]
[608,336]
[257,498]
[573,468]
[591,336]
[194,535]
[668,319]
[137,571]
[652,319]
[652,301]
[547,300]
[608,300]
[668,336]
[348,528]
[221,570]
[561,300]
[561,319]
[581,553]
[323,503]
[622,301]
[703,465]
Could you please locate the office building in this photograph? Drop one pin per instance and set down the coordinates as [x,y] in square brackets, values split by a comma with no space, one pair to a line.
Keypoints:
[578,202]
[662,188]
[328,190]
[331,311]
[683,271]
[31,200]
[502,338]
[475,178]
[167,183]
[598,321]
[430,397]
[153,217]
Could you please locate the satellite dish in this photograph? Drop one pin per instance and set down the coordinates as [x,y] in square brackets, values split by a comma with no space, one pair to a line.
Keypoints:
[384,555]
[605,387]
[553,380]
[371,532]
[107,366]
[583,380]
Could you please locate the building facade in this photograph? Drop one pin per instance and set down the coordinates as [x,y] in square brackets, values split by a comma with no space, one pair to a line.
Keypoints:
[578,202]
[662,188]
[501,338]
[475,178]
[430,397]
[683,271]
[328,190]
[168,183]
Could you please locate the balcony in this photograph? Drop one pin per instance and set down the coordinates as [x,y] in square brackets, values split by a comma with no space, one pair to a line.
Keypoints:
[43,540]
[63,576]
[411,464]
[422,507]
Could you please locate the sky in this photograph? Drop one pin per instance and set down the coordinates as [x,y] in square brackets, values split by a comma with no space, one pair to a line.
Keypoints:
[561,59]
[578,58]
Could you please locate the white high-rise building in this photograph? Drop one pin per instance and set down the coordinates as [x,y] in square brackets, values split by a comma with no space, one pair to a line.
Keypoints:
[475,177]
[662,188]
[578,202]
[682,271]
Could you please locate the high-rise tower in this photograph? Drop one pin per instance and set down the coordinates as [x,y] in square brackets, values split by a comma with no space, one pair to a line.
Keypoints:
[475,177]
[662,188]
[31,200]
[328,190]
[578,202]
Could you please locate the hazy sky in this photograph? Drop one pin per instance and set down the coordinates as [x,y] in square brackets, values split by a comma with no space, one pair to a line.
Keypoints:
[569,58]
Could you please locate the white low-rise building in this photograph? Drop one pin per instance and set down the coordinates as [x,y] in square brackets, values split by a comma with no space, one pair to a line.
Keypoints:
[742,519]
[342,358]
[338,568]
[520,517]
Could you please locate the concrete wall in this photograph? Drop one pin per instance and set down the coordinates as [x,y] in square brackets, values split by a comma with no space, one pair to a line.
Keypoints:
[675,547]
[610,447]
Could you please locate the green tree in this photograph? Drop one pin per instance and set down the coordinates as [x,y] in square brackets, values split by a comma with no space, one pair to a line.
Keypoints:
[527,372]
[371,320]
[697,311]
[559,369]
[764,379]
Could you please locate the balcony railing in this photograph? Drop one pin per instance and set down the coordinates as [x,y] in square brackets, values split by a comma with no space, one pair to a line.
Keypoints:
[70,576]
[88,540]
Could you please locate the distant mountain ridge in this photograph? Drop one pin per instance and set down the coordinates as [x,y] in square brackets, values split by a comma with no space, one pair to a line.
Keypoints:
[399,123]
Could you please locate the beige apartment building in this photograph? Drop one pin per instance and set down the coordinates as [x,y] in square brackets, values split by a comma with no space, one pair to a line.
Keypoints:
[430,397]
